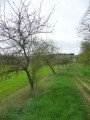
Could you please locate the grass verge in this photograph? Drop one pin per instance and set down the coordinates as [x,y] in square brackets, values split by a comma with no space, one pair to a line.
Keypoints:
[60,101]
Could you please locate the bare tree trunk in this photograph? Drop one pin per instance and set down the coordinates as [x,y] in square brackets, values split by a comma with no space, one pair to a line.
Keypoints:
[30,80]
[52,69]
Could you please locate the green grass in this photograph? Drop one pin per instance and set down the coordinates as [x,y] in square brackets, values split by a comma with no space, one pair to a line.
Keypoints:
[61,101]
[45,71]
[10,85]
[85,89]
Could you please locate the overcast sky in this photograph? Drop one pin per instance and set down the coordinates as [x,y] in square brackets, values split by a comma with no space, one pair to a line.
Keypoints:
[67,16]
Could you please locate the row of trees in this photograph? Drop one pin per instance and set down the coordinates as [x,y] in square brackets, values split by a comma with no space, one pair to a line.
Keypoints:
[44,54]
[20,46]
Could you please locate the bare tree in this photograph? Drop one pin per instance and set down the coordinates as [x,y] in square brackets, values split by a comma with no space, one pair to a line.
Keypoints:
[84,33]
[47,51]
[84,26]
[17,37]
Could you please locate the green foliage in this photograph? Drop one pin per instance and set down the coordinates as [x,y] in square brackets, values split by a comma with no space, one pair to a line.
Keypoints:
[60,102]
[35,66]
[84,57]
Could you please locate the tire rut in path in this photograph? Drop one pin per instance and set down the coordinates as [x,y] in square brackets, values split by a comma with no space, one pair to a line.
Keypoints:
[82,82]
[87,97]
[83,77]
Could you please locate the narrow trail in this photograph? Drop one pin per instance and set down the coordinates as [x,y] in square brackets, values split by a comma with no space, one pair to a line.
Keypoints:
[75,77]
[84,84]
[83,77]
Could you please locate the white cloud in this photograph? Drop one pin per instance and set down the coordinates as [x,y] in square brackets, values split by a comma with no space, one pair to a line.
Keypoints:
[67,14]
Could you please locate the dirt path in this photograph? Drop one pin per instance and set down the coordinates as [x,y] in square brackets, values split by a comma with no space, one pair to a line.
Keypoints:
[83,76]
[82,82]
[87,97]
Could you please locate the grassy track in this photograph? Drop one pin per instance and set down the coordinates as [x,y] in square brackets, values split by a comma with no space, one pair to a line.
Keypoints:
[15,82]
[82,84]
[60,101]
[82,80]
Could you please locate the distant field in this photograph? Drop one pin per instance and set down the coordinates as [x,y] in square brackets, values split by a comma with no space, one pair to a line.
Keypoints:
[8,86]
[59,99]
